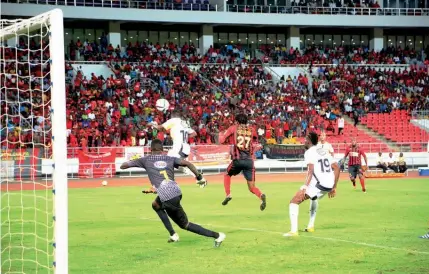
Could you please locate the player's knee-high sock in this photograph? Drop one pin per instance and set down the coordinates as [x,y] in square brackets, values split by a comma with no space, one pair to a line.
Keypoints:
[313,209]
[362,183]
[293,216]
[201,230]
[256,191]
[227,184]
[164,218]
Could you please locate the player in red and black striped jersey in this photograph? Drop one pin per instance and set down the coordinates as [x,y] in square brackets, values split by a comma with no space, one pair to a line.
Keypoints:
[242,153]
[355,153]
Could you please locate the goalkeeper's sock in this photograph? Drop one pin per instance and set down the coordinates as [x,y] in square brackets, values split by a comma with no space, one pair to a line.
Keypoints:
[197,229]
[313,209]
[426,236]
[166,221]
[256,191]
[227,184]
[362,183]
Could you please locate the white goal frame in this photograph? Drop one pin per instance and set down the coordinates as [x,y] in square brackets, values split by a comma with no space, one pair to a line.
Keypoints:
[54,19]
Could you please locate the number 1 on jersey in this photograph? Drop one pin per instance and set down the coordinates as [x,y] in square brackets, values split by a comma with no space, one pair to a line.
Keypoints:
[164,173]
[184,136]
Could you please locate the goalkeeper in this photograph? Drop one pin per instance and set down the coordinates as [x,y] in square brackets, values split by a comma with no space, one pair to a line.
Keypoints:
[160,169]
[355,153]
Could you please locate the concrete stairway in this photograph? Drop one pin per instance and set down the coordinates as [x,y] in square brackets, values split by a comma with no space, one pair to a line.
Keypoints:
[392,145]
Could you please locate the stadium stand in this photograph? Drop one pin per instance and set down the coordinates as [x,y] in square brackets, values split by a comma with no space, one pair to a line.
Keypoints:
[355,70]
[114,111]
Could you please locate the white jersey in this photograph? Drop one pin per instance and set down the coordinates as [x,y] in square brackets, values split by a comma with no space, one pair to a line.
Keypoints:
[322,161]
[327,147]
[179,132]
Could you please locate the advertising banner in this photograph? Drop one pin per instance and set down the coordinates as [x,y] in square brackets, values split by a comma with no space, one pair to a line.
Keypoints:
[293,152]
[21,164]
[97,165]
[210,155]
[135,152]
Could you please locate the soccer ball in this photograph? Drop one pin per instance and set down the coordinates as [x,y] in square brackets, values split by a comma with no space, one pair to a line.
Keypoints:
[104,183]
[162,105]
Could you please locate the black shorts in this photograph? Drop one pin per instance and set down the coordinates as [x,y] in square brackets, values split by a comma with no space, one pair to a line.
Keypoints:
[245,166]
[174,210]
[355,170]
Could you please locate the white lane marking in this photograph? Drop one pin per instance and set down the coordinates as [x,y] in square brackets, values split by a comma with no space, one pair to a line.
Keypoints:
[309,236]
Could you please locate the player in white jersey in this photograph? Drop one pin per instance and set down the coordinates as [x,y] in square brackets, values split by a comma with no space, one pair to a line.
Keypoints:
[322,178]
[180,132]
[325,145]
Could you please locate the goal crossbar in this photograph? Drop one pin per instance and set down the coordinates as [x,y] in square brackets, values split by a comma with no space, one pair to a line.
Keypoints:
[25,26]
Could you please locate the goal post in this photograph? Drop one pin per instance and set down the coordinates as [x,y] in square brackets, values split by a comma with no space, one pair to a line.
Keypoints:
[34,198]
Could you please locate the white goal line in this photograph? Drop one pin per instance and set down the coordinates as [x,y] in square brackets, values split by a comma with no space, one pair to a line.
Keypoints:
[309,236]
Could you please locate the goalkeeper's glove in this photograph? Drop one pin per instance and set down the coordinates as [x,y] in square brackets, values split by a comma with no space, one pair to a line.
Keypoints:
[201,181]
[150,190]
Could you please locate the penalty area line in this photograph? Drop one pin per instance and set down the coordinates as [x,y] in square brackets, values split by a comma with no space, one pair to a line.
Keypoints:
[308,236]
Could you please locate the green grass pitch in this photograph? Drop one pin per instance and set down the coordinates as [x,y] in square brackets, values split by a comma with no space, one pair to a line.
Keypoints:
[114,230]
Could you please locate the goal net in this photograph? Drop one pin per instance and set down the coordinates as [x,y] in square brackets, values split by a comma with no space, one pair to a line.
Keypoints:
[33,152]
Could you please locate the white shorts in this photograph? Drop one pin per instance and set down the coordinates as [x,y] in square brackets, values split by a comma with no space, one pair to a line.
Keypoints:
[182,152]
[177,154]
[315,193]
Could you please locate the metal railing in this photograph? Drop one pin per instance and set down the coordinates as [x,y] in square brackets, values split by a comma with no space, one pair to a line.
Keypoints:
[301,66]
[205,6]
[382,147]
[329,11]
[124,4]
[342,65]
[420,114]
[37,173]
[72,152]
[393,66]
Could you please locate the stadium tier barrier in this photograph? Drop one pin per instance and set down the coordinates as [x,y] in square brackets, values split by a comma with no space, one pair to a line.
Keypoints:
[126,4]
[328,10]
[208,159]
[376,66]
[218,6]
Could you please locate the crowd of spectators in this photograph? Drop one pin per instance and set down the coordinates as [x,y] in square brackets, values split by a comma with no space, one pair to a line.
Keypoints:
[116,111]
[235,54]
[336,4]
[348,7]
[317,54]
[156,53]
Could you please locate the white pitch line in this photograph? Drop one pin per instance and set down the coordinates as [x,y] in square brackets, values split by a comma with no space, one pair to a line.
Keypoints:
[309,236]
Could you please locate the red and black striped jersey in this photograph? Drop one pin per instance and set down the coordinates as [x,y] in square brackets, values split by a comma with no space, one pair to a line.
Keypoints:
[355,154]
[243,138]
